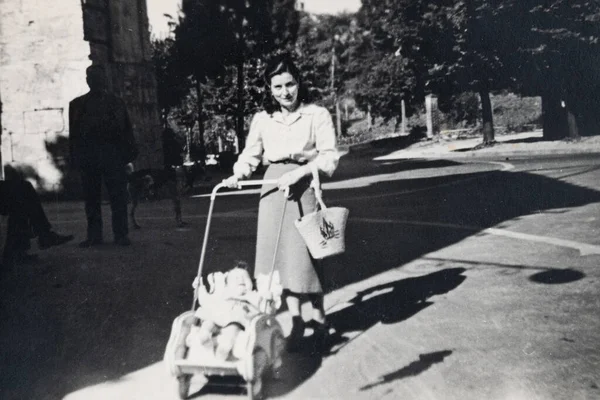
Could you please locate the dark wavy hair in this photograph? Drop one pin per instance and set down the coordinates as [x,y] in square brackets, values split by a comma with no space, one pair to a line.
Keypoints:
[278,65]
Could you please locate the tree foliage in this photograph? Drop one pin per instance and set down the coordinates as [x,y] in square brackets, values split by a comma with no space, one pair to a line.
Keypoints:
[454,46]
[172,83]
[217,38]
[389,51]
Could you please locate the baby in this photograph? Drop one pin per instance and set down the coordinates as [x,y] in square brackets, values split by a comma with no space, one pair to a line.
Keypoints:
[227,310]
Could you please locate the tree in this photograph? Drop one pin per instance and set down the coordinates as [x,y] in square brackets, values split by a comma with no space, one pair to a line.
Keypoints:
[172,83]
[322,47]
[257,27]
[447,47]
[411,48]
[203,42]
[215,35]
[558,57]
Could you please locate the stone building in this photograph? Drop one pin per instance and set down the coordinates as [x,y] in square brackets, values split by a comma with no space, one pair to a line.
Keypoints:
[45,48]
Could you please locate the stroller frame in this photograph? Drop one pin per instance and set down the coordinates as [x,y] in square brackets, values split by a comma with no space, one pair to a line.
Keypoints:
[265,335]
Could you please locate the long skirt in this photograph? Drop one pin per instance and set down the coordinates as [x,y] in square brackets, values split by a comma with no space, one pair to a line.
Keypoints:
[292,259]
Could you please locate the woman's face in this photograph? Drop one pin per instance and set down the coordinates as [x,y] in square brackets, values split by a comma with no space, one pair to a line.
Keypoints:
[284,88]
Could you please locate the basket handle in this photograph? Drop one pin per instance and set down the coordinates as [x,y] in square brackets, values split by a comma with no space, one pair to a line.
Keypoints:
[316,185]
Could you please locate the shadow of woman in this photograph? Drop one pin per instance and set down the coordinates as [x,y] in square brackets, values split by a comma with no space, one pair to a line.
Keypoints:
[389,303]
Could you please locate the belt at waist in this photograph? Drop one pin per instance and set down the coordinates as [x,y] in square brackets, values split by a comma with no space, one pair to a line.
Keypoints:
[288,161]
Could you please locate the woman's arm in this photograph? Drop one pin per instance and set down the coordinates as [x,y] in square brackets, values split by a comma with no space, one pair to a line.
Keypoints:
[251,156]
[325,141]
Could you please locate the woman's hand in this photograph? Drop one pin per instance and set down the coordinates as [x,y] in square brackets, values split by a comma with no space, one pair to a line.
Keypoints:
[290,178]
[233,182]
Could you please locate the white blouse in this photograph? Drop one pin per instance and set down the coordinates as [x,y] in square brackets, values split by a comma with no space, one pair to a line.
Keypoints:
[306,135]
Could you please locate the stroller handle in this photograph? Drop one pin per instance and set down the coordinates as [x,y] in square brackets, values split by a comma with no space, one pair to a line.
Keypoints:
[256,182]
[213,196]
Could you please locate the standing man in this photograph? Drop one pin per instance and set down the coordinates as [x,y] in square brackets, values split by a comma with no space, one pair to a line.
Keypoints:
[101,144]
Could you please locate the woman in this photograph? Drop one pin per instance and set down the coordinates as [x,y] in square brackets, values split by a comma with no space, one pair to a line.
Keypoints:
[289,135]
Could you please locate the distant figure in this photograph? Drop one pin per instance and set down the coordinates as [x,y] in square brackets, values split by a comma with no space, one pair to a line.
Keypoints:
[193,171]
[26,219]
[101,144]
[172,148]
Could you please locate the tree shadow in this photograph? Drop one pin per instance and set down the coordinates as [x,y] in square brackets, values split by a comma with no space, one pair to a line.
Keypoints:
[415,368]
[557,276]
[546,275]
[386,167]
[375,243]
[398,142]
[526,140]
[480,146]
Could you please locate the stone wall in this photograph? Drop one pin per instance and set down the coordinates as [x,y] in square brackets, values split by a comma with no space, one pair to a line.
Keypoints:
[119,38]
[45,48]
[42,67]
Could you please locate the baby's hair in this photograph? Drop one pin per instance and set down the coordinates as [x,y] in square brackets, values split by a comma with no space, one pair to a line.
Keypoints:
[243,265]
[240,264]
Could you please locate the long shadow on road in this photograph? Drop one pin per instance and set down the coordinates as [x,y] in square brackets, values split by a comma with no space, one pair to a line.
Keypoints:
[388,303]
[375,243]
[394,302]
[424,362]
[83,318]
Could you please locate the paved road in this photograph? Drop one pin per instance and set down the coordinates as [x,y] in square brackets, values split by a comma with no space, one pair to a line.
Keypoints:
[462,280]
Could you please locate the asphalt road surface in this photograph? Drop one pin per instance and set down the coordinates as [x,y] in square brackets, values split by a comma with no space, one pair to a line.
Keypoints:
[462,280]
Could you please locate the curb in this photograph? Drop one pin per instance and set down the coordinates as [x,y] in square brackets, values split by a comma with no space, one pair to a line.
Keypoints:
[440,150]
[498,153]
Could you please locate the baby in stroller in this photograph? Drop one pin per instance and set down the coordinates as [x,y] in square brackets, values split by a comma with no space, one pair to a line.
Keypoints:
[227,308]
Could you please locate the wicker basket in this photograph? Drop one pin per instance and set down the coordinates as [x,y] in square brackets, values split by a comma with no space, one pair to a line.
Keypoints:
[324,230]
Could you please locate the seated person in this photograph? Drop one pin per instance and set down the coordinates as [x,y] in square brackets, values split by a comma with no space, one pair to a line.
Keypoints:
[227,310]
[26,219]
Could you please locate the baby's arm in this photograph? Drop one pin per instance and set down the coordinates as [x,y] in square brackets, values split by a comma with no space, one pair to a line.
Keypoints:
[263,303]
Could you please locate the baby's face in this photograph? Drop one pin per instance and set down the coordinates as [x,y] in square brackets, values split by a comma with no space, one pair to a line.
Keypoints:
[238,281]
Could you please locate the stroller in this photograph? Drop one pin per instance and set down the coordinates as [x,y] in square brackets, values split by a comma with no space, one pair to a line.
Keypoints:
[263,341]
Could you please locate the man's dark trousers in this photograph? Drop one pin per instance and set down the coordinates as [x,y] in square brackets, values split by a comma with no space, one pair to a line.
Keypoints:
[115,179]
[26,217]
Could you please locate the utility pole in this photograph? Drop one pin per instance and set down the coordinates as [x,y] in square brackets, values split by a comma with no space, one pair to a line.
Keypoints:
[403,111]
[429,113]
[338,119]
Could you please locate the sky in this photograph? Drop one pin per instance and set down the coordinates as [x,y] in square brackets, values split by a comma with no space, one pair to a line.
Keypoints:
[330,6]
[160,28]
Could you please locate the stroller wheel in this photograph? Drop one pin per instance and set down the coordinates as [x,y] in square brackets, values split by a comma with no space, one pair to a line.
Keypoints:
[184,385]
[260,361]
[255,389]
[277,347]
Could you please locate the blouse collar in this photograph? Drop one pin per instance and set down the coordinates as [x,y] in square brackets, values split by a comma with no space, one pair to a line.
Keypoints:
[293,116]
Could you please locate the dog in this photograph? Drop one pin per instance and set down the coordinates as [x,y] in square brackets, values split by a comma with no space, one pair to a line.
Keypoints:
[146,183]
